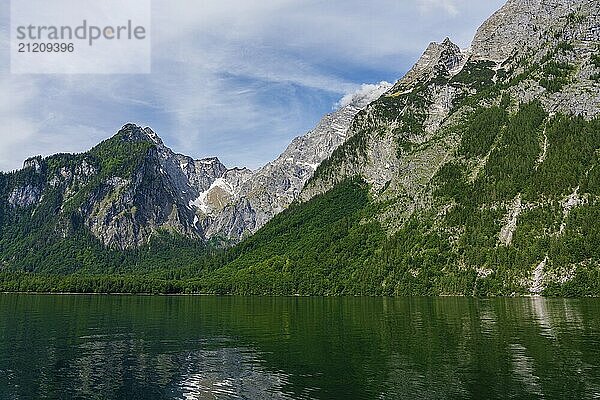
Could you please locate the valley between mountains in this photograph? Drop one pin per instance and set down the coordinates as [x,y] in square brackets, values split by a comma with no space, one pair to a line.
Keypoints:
[477,173]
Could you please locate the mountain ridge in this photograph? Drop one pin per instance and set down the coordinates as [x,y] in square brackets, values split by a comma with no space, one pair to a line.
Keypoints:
[477,173]
[199,199]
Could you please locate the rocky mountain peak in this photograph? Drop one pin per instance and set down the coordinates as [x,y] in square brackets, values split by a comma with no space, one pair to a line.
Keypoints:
[33,162]
[134,133]
[210,161]
[519,23]
[153,136]
[445,56]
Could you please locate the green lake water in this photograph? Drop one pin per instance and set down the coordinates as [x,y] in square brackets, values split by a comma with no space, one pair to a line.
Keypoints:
[202,347]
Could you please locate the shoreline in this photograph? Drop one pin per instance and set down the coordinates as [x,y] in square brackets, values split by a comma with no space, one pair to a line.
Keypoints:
[523,296]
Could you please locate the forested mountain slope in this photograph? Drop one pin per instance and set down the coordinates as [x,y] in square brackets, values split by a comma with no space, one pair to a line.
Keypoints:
[475,174]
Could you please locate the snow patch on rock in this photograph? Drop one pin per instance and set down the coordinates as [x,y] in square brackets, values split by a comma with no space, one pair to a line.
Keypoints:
[202,202]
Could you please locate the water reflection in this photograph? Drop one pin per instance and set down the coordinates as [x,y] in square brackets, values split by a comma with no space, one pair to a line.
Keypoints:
[124,347]
[524,370]
[229,374]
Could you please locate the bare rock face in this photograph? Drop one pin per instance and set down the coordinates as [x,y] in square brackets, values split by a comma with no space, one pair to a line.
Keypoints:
[24,196]
[396,138]
[125,212]
[519,24]
[236,206]
[33,162]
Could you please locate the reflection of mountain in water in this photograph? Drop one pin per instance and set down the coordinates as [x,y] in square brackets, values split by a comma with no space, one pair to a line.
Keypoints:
[126,347]
[228,373]
[108,363]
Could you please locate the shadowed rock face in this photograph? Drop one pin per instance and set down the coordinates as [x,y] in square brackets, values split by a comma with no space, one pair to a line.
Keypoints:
[155,197]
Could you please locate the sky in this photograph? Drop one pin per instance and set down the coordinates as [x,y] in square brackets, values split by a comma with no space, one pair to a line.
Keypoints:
[236,79]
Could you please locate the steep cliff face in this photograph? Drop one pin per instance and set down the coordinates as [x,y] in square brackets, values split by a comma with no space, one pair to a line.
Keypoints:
[132,186]
[236,207]
[520,24]
[122,191]
[462,113]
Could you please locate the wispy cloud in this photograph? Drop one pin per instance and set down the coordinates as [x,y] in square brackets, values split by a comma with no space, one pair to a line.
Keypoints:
[231,78]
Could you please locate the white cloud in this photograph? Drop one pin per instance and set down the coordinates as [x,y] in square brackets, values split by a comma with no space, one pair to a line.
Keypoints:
[449,6]
[366,94]
[227,73]
[24,134]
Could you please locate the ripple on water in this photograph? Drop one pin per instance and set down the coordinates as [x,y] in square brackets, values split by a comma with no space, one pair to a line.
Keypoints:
[119,347]
[228,373]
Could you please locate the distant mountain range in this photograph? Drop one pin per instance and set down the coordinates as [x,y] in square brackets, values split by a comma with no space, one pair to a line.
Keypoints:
[476,173]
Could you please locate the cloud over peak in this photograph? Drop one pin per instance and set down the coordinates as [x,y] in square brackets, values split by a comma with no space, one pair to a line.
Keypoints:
[226,73]
[364,95]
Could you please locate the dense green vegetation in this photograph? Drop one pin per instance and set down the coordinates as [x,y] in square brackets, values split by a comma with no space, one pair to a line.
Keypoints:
[509,157]
[428,256]
[556,75]
[318,248]
[511,164]
[481,131]
[517,165]
[476,74]
[333,245]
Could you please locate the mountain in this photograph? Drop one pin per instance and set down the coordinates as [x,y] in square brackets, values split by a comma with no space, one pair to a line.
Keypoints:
[489,153]
[132,186]
[477,173]
[121,191]
[234,208]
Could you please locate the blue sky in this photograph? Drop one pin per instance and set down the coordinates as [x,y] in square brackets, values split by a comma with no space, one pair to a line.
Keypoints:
[230,78]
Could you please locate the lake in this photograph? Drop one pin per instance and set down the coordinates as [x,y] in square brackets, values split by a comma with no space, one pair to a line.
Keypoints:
[203,347]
